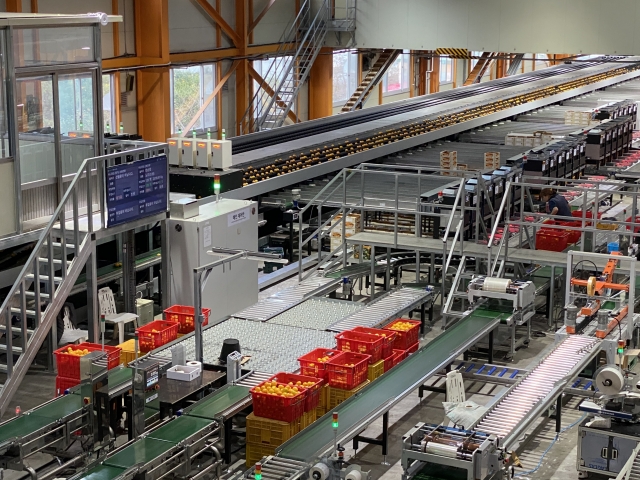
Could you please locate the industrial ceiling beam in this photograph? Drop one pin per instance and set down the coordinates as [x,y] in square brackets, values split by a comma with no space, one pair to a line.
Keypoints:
[217,18]
[264,11]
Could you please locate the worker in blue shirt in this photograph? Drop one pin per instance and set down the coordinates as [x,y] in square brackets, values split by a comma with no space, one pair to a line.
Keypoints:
[556,204]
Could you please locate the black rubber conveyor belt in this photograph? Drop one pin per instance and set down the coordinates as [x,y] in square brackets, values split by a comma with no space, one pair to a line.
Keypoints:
[371,402]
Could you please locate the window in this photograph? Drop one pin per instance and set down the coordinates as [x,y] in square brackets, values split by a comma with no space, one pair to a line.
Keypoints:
[190,88]
[446,70]
[396,80]
[109,98]
[272,71]
[542,58]
[475,60]
[345,76]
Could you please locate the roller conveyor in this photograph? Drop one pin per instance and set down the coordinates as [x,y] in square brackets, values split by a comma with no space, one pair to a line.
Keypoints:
[287,298]
[537,390]
[359,411]
[386,307]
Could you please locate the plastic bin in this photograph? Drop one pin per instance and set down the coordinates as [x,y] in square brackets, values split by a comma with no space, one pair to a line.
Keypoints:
[307,419]
[63,383]
[272,406]
[265,431]
[348,370]
[552,239]
[69,365]
[357,342]
[255,453]
[574,235]
[387,335]
[338,395]
[404,339]
[183,314]
[127,352]
[156,334]
[376,370]
[413,348]
[312,365]
[398,356]
[312,399]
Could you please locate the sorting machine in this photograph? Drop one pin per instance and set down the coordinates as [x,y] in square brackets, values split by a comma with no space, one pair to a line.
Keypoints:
[274,160]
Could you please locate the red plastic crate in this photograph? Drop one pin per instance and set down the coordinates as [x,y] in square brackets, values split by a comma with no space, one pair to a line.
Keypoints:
[398,356]
[552,239]
[405,339]
[69,365]
[63,383]
[574,235]
[312,399]
[310,366]
[365,343]
[343,375]
[165,332]
[413,348]
[388,337]
[184,316]
[388,363]
[275,407]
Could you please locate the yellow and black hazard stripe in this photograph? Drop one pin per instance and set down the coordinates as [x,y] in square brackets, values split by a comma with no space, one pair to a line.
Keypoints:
[454,52]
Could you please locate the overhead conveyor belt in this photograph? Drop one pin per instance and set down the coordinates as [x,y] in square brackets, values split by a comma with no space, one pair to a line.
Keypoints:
[380,396]
[267,138]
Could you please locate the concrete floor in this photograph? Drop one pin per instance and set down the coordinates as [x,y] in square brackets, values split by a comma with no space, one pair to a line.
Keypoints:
[559,463]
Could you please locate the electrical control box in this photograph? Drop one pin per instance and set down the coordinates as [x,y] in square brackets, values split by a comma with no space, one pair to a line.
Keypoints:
[188,152]
[175,151]
[220,154]
[203,154]
[226,224]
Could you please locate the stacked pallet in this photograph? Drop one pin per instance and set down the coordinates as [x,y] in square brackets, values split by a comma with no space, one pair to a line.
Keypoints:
[492,160]
[448,161]
[352,226]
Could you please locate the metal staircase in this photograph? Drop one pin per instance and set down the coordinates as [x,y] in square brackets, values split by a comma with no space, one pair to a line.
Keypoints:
[480,68]
[30,309]
[372,78]
[514,66]
[304,36]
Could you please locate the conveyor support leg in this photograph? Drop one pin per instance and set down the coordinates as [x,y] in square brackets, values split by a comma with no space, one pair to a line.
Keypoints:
[376,441]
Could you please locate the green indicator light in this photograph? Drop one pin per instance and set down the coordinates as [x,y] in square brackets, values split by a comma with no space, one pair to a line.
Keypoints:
[620,351]
[334,420]
[258,476]
[216,184]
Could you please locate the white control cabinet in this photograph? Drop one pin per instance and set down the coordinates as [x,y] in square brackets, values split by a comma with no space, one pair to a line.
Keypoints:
[227,224]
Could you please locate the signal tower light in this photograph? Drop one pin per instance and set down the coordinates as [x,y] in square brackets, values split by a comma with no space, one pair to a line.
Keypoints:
[258,474]
[621,345]
[334,421]
[216,185]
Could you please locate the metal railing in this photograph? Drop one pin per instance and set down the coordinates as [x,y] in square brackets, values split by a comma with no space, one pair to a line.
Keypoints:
[48,275]
[300,44]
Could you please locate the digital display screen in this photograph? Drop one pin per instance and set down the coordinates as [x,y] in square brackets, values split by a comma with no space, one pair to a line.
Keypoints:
[153,376]
[136,190]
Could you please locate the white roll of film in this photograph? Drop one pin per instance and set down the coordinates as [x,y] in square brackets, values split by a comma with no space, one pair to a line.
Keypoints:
[195,364]
[441,449]
[320,471]
[610,381]
[500,285]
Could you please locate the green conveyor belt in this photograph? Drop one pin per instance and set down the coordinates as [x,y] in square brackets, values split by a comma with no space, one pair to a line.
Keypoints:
[376,398]
[166,437]
[212,406]
[142,451]
[103,472]
[22,426]
[179,429]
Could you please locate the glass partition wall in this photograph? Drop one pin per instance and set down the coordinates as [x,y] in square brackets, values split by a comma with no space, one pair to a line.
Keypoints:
[50,113]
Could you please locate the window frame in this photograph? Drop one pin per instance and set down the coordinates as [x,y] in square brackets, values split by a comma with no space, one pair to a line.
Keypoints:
[405,71]
[352,75]
[113,105]
[448,72]
[214,104]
